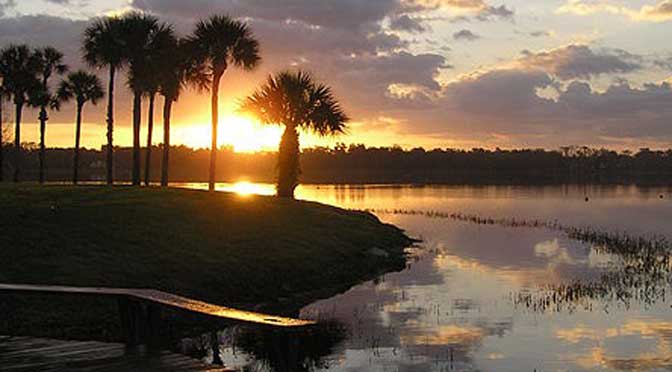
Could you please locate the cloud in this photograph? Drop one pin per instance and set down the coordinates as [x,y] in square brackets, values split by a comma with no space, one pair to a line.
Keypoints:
[465,35]
[660,12]
[504,105]
[499,12]
[540,33]
[580,61]
[408,24]
[6,5]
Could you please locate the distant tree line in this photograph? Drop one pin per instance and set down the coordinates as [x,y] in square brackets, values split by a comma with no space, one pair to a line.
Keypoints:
[361,164]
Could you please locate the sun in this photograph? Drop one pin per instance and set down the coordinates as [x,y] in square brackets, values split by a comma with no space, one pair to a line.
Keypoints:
[242,133]
[247,135]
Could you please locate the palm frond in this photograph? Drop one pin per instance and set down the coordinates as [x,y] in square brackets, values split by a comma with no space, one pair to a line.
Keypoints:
[220,41]
[293,99]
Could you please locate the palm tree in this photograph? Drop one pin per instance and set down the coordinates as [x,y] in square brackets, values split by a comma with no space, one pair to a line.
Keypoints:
[104,47]
[50,61]
[83,87]
[139,30]
[163,46]
[3,96]
[217,43]
[19,67]
[175,72]
[296,101]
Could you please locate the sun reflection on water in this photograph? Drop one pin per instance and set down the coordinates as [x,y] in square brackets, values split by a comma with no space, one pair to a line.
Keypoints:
[245,188]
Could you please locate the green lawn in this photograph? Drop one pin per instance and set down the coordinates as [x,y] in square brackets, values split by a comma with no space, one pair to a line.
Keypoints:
[217,247]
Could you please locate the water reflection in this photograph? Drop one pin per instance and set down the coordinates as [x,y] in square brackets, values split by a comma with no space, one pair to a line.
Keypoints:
[459,305]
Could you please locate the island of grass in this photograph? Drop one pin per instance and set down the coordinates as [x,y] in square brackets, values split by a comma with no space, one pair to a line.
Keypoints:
[253,252]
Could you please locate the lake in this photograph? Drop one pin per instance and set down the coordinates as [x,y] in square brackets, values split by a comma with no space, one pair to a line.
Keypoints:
[506,278]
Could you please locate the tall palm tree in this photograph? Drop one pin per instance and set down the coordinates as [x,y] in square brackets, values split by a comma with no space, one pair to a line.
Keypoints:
[50,62]
[296,101]
[163,45]
[83,87]
[175,72]
[139,30]
[217,43]
[104,47]
[3,97]
[19,67]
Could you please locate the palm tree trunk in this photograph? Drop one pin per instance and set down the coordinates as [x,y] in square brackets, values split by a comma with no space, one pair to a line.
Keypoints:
[78,133]
[288,163]
[43,129]
[17,142]
[137,109]
[150,129]
[110,128]
[167,107]
[215,120]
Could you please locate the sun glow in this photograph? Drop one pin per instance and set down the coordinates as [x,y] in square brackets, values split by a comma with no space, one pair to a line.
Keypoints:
[242,133]
[245,188]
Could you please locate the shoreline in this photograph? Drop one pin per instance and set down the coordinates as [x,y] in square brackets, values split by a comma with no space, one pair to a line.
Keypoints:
[251,252]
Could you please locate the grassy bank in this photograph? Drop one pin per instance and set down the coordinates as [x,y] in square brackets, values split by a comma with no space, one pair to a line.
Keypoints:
[219,247]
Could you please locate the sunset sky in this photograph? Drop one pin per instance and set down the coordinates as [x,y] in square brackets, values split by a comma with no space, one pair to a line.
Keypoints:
[432,73]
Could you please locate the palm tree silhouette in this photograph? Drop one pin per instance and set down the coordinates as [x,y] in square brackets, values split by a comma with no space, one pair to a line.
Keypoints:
[104,47]
[19,67]
[175,72]
[139,30]
[217,43]
[83,87]
[3,96]
[296,101]
[50,62]
[162,45]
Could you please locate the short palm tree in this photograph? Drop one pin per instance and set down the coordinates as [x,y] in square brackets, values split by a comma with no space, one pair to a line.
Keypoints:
[175,72]
[296,101]
[139,30]
[217,43]
[104,47]
[83,87]
[50,62]
[19,67]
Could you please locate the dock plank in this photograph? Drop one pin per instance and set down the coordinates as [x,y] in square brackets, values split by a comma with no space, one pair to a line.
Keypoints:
[18,354]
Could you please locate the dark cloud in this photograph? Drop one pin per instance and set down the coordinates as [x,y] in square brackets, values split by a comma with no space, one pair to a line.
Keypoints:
[465,35]
[507,102]
[408,24]
[540,33]
[580,61]
[664,63]
[343,14]
[495,12]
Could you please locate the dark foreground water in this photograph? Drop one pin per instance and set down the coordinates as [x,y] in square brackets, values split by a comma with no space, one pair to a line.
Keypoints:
[493,295]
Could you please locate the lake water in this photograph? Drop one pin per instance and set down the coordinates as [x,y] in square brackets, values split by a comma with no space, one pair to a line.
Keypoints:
[490,297]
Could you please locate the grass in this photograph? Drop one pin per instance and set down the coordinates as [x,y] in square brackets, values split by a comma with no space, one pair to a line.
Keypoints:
[217,247]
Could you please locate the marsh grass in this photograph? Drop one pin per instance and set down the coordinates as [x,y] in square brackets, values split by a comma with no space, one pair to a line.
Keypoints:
[641,271]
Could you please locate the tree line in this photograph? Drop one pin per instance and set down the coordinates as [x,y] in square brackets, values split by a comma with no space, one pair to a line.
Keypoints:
[361,164]
[158,62]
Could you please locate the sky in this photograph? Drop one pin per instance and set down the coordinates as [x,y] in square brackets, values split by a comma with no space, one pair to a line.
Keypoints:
[431,73]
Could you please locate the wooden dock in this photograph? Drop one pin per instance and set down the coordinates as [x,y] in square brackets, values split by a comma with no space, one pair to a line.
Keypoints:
[25,354]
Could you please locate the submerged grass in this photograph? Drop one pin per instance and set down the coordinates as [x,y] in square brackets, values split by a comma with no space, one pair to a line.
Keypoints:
[641,270]
[217,247]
